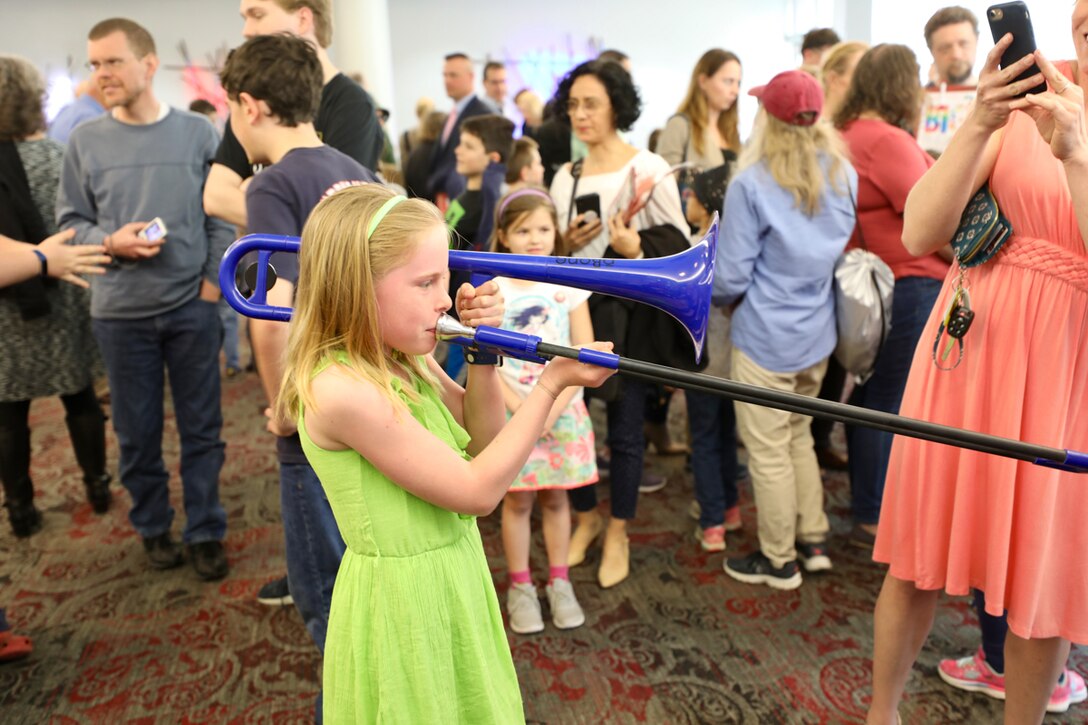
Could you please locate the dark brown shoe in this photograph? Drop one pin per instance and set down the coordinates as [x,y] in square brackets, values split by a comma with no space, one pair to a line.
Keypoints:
[831,459]
[163,552]
[26,519]
[861,538]
[209,560]
[98,492]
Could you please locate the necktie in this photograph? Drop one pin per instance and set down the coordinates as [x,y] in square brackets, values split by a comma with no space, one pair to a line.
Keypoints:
[448,128]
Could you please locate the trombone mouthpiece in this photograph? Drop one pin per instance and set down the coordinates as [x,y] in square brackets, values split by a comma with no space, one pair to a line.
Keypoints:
[448,328]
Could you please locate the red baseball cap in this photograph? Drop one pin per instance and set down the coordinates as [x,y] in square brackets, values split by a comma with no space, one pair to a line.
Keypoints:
[793,97]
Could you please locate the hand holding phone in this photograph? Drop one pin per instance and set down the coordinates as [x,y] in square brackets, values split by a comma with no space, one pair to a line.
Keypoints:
[1014,18]
[588,206]
[154,231]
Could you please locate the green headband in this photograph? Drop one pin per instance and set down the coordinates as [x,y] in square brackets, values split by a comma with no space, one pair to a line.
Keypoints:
[377,218]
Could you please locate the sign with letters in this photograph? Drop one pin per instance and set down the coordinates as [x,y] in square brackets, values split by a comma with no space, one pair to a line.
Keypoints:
[943,111]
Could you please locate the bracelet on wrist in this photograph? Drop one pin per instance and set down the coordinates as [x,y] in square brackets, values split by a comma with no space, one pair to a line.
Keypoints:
[546,389]
[43,260]
[109,245]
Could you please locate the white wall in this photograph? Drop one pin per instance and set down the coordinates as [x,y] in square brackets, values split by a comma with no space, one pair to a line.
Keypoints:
[53,34]
[663,39]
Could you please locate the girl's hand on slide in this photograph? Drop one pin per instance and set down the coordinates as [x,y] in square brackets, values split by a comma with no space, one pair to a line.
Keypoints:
[563,372]
[481,305]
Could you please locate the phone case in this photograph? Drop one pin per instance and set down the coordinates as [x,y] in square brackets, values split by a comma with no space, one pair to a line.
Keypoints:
[1014,18]
[583,204]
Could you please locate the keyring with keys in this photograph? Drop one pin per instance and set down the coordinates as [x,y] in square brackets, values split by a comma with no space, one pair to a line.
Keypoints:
[956,322]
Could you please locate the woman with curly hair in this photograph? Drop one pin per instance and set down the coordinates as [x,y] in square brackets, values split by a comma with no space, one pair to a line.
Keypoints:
[47,345]
[601,101]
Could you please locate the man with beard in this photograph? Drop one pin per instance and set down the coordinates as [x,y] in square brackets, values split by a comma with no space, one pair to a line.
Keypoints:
[952,37]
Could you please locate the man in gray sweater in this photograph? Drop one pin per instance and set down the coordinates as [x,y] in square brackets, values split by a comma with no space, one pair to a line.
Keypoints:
[155,308]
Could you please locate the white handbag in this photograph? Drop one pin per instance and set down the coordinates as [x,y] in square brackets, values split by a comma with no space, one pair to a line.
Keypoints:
[863,309]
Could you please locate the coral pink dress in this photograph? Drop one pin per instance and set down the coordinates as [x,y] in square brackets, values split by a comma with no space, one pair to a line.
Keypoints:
[957,519]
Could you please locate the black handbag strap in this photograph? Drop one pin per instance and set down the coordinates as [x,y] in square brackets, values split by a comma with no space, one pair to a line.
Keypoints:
[857,217]
[575,174]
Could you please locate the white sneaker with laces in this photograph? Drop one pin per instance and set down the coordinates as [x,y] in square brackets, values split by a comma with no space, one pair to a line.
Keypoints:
[523,606]
[566,612]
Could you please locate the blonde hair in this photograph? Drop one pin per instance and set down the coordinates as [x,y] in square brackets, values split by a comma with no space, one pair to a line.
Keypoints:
[795,157]
[838,58]
[694,105]
[336,310]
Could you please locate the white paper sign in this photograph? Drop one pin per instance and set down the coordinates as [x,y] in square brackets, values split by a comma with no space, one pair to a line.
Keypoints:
[943,111]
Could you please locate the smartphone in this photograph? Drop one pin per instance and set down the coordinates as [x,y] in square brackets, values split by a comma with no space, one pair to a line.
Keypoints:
[154,231]
[1014,18]
[590,205]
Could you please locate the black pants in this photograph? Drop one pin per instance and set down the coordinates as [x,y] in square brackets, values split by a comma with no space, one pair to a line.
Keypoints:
[628,445]
[830,389]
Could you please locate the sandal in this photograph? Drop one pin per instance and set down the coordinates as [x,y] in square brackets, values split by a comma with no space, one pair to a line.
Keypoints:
[14,646]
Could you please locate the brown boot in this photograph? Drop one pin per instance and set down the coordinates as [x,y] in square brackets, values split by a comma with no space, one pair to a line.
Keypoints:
[658,434]
[589,527]
[616,558]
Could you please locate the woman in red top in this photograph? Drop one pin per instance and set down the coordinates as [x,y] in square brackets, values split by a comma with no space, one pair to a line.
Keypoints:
[877,119]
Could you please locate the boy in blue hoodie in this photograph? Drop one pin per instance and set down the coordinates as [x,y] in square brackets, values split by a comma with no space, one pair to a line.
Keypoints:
[486,143]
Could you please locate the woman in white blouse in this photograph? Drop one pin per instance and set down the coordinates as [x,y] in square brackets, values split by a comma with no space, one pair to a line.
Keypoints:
[601,100]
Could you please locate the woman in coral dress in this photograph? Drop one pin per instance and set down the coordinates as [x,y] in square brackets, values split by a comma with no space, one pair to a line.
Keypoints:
[954,519]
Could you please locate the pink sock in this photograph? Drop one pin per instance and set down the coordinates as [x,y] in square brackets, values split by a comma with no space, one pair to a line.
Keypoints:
[521,577]
[558,572]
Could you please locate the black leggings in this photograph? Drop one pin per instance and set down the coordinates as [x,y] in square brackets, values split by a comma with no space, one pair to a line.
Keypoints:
[86,426]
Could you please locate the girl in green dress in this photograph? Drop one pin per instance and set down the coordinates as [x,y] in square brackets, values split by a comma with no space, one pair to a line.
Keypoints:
[408,459]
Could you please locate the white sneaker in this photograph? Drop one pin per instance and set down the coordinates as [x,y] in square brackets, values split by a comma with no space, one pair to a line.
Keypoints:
[523,605]
[566,612]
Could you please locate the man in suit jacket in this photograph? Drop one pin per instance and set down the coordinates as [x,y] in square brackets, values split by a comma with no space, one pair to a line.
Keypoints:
[460,82]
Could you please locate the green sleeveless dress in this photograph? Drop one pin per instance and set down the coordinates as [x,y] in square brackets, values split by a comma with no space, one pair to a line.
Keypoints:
[415,632]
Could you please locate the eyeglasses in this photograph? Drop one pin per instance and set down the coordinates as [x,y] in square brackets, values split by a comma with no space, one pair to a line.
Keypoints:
[112,64]
[590,105]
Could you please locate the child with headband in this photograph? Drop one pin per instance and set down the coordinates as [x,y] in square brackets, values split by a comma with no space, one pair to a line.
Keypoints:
[408,459]
[564,457]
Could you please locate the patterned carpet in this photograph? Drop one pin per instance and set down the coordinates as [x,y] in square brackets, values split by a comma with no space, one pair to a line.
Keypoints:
[678,642]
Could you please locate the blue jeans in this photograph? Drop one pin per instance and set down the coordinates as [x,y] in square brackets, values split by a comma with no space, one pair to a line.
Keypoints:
[627,440]
[185,342]
[713,454]
[228,318]
[869,449]
[314,546]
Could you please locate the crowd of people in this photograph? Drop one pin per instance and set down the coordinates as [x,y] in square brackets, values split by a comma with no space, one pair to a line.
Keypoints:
[384,560]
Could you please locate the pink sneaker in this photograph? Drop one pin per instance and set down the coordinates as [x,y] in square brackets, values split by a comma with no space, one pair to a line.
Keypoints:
[973,674]
[732,519]
[1070,690]
[711,539]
